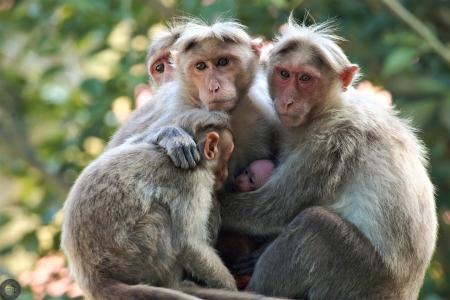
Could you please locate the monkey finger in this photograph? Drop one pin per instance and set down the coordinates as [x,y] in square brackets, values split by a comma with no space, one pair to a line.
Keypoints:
[189,156]
[175,157]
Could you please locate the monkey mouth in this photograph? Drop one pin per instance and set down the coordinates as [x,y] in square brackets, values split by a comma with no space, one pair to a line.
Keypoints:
[220,101]
[290,116]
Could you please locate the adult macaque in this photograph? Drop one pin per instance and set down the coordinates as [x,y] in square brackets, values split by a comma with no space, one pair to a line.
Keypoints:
[134,222]
[350,199]
[216,69]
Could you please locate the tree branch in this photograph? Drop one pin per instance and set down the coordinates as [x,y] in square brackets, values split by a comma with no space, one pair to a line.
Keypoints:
[420,28]
[14,139]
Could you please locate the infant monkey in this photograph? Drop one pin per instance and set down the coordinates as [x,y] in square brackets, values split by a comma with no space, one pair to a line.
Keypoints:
[254,176]
[134,222]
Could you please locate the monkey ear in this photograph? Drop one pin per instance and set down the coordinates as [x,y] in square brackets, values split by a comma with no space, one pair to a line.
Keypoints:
[211,145]
[175,57]
[347,75]
[257,45]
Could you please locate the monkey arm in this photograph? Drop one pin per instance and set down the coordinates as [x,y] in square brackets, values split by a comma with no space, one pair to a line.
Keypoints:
[203,262]
[179,145]
[191,237]
[310,175]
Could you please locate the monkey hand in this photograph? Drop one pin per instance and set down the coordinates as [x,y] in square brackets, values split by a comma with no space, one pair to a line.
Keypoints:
[245,265]
[179,145]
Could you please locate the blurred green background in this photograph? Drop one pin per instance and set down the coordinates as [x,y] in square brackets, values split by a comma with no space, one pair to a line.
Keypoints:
[69,72]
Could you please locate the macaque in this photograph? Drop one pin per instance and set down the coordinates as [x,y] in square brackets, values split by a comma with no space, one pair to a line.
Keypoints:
[234,247]
[350,201]
[254,176]
[216,68]
[134,223]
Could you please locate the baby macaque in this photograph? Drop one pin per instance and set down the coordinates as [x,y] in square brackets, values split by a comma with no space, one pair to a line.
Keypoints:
[254,176]
[134,223]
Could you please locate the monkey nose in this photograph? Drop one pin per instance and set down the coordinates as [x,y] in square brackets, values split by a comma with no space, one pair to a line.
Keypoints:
[214,86]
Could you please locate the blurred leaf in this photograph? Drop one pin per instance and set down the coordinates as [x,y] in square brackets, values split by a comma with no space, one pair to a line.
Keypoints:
[93,86]
[398,60]
[30,241]
[417,85]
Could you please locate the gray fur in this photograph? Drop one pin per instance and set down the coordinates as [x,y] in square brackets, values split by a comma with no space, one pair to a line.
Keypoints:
[253,119]
[133,218]
[351,199]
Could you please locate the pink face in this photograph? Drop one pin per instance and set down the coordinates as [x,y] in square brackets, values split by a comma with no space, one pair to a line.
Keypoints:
[300,86]
[254,176]
[297,90]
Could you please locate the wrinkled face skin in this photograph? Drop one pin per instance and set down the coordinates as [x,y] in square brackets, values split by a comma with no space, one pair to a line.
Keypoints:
[298,84]
[254,176]
[221,169]
[161,70]
[218,74]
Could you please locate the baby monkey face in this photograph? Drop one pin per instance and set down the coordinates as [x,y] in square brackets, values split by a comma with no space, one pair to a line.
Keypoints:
[254,176]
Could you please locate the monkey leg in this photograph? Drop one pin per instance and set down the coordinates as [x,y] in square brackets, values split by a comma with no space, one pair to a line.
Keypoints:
[322,256]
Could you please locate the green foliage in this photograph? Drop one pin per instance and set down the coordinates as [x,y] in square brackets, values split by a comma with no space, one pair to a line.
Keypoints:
[65,64]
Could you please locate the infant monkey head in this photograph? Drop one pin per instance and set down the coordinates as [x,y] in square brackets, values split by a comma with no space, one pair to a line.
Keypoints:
[217,150]
[254,176]
[212,132]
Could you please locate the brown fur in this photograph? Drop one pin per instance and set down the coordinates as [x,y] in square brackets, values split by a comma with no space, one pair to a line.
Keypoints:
[350,200]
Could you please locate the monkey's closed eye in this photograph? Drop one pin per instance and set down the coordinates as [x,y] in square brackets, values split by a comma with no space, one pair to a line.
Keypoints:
[305,78]
[284,74]
[200,66]
[159,68]
[223,62]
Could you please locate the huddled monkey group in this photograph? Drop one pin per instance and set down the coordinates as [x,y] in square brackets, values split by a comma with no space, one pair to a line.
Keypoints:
[344,206]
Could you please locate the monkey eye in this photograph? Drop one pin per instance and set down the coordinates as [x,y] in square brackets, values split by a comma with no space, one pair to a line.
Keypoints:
[159,68]
[200,66]
[246,171]
[223,62]
[251,180]
[284,74]
[305,78]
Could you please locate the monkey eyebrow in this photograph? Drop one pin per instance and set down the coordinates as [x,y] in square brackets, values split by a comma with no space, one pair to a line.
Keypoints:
[289,47]
[159,57]
[190,45]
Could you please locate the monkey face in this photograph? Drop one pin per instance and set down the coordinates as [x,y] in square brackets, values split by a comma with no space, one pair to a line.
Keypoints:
[295,92]
[254,176]
[217,74]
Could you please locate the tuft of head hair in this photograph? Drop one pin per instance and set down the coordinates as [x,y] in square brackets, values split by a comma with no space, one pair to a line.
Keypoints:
[195,30]
[319,37]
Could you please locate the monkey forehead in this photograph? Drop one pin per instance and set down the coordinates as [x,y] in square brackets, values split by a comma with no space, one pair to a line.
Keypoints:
[317,40]
[210,49]
[227,32]
[159,46]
